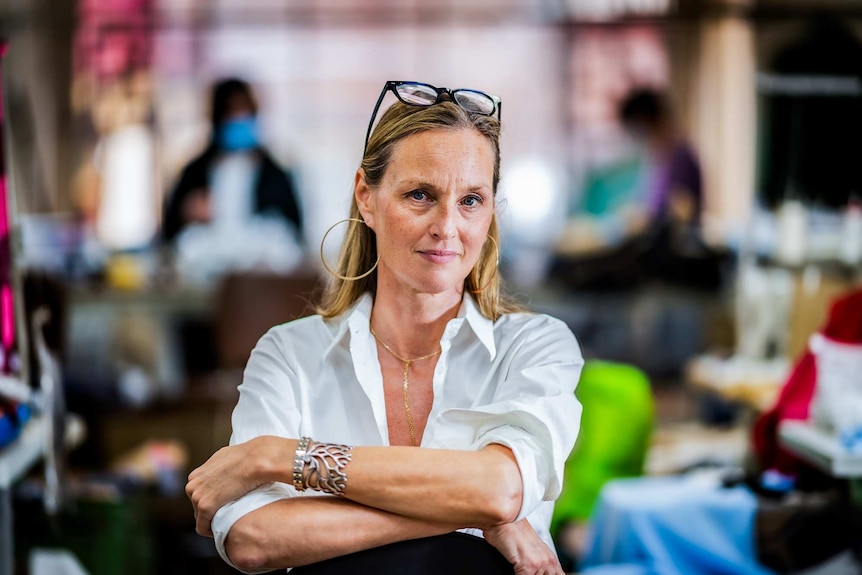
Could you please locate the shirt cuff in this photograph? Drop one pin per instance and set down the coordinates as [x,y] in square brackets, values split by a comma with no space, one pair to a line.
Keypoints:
[229,514]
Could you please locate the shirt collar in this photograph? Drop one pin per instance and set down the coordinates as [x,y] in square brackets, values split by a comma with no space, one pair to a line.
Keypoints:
[353,321]
[359,318]
[482,327]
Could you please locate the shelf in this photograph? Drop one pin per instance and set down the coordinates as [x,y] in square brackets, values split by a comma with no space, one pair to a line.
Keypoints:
[820,449]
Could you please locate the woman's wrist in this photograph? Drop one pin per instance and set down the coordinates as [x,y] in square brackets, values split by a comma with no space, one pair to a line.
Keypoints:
[274,459]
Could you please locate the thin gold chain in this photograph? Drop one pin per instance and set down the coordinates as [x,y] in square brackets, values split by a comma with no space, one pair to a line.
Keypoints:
[407,363]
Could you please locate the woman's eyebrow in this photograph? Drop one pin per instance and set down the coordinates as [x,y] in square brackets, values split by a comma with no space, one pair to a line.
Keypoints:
[425,185]
[413,183]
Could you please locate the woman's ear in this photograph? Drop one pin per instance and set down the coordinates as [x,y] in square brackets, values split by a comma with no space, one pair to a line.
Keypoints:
[364,198]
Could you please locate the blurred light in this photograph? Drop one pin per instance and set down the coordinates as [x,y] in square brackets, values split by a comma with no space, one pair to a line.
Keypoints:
[127,212]
[612,9]
[532,204]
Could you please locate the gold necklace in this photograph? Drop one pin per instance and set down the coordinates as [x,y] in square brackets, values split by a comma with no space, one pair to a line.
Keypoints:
[407,363]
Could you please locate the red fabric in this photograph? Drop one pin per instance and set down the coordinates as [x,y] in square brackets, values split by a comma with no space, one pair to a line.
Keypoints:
[844,325]
[845,319]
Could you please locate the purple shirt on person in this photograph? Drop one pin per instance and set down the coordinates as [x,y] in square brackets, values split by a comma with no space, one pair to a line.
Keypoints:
[678,169]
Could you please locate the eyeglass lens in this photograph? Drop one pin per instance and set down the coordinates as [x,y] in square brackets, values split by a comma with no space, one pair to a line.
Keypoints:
[417,94]
[473,101]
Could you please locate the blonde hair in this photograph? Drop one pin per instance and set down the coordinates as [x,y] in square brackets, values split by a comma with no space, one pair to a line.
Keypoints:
[359,249]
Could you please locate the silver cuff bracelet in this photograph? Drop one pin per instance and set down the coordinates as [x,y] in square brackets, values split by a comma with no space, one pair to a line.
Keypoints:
[323,467]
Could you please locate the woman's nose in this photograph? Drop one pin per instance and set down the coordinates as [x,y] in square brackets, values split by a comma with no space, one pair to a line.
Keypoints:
[444,224]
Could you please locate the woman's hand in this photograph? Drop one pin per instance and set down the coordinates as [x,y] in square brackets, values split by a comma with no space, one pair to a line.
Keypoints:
[521,546]
[231,473]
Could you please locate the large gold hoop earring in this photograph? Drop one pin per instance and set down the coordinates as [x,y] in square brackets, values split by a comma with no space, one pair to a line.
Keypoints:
[323,259]
[496,267]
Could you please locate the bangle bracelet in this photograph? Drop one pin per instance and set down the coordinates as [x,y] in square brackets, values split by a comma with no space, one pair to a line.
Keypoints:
[323,468]
[299,463]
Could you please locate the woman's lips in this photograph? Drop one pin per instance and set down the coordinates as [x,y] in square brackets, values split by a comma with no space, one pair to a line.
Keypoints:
[439,256]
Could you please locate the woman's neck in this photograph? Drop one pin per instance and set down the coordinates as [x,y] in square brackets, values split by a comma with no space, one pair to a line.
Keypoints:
[412,323]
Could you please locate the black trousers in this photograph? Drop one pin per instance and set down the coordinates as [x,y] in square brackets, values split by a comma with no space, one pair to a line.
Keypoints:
[450,554]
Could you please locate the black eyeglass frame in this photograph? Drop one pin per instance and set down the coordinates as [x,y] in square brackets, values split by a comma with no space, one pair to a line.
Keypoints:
[393,85]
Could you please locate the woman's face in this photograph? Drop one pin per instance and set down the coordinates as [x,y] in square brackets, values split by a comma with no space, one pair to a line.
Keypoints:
[432,211]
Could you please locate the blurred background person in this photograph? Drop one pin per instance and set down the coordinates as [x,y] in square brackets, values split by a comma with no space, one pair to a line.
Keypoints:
[670,194]
[639,217]
[233,206]
[671,187]
[666,218]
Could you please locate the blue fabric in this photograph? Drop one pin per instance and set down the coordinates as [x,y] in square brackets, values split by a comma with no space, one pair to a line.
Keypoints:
[238,134]
[673,526]
[618,569]
[12,420]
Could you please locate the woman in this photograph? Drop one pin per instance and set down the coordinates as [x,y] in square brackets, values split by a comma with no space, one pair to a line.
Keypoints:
[422,352]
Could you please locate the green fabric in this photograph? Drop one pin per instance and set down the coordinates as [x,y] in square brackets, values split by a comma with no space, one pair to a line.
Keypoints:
[615,433]
[109,533]
[609,188]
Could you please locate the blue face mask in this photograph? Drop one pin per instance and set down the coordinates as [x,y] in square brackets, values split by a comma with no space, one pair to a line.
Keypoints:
[238,134]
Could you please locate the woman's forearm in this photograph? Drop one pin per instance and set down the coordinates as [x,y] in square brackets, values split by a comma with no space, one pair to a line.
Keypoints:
[304,530]
[465,488]
[474,488]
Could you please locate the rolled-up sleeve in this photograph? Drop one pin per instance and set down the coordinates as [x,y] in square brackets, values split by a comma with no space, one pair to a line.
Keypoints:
[534,411]
[229,514]
[267,406]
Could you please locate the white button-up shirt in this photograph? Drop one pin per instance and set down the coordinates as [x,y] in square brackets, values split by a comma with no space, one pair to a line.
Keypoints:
[509,382]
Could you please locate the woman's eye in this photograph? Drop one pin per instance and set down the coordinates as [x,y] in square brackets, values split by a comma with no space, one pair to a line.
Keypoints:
[418,195]
[471,201]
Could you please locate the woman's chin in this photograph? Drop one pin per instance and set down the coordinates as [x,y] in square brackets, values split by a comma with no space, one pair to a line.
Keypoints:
[425,281]
[438,286]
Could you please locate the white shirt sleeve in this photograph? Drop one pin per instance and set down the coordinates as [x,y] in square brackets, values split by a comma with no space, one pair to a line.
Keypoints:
[534,411]
[225,517]
[267,406]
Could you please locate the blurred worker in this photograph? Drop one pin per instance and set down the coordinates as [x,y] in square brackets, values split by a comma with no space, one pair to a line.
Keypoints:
[651,229]
[234,207]
[672,189]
